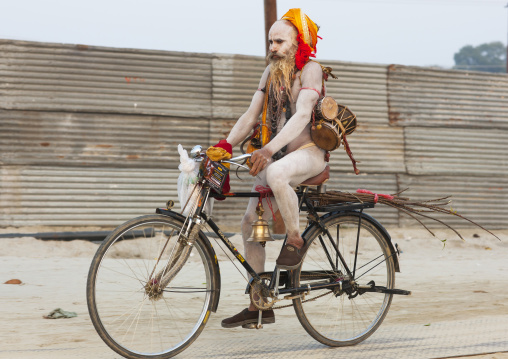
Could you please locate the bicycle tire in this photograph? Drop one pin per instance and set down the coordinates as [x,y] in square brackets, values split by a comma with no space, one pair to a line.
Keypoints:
[334,318]
[129,319]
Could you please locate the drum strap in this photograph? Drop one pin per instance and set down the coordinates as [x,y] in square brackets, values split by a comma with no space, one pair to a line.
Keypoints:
[310,144]
[346,146]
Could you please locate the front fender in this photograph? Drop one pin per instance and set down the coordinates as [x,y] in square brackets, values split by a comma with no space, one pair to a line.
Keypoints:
[211,252]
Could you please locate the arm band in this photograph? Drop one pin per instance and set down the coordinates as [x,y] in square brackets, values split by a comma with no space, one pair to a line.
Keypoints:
[310,88]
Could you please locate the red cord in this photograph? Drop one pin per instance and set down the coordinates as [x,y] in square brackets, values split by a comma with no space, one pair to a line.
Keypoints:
[266,192]
[376,196]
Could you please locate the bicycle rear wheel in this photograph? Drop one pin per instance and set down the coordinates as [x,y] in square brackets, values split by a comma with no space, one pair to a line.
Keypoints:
[133,320]
[345,317]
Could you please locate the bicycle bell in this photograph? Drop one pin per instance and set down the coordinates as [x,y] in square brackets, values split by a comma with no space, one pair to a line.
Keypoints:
[260,230]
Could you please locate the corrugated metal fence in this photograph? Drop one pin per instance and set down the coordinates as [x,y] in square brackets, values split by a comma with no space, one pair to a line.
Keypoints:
[88,135]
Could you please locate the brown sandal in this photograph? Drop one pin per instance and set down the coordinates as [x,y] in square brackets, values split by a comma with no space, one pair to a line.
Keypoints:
[291,257]
[248,317]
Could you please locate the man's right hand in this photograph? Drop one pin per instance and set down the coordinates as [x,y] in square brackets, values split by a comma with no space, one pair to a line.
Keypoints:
[259,160]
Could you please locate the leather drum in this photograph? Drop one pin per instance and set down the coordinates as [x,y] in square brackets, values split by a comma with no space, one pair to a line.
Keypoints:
[326,109]
[326,135]
[347,118]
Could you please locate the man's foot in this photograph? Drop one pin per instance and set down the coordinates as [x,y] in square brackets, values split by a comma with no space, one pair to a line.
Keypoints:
[248,317]
[290,256]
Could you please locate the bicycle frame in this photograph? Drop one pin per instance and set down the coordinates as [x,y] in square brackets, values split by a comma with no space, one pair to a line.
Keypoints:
[305,204]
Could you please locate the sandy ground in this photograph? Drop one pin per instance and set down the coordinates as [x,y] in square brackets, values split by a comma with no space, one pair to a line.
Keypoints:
[458,280]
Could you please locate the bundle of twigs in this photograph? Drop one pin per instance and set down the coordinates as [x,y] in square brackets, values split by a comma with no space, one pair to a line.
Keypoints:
[404,204]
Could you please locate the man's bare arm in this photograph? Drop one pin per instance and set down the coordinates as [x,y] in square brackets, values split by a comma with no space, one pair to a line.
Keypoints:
[247,121]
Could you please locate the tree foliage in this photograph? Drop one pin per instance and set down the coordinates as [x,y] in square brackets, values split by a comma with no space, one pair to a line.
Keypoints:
[490,57]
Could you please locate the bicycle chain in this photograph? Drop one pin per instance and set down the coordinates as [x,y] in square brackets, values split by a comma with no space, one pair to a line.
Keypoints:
[267,276]
[303,301]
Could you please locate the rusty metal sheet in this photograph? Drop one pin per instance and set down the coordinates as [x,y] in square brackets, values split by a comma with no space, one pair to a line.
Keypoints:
[57,77]
[235,80]
[456,151]
[96,140]
[361,87]
[78,197]
[430,97]
[481,199]
[379,149]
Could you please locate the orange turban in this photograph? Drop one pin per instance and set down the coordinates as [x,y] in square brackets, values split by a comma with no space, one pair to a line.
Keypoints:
[307,35]
[305,26]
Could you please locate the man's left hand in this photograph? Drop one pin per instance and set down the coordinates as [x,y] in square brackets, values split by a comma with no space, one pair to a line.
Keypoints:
[260,159]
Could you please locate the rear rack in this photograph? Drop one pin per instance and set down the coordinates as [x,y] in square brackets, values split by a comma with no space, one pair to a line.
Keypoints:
[338,207]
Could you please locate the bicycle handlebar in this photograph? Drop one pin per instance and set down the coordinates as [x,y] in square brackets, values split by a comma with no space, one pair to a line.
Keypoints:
[239,158]
[234,160]
[198,154]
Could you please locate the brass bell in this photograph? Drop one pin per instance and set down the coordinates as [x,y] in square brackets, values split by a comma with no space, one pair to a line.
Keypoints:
[260,230]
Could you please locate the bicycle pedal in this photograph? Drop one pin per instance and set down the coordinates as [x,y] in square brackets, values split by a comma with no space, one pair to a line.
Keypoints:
[252,326]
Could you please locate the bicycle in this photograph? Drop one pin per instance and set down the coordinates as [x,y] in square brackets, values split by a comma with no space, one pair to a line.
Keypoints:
[155,279]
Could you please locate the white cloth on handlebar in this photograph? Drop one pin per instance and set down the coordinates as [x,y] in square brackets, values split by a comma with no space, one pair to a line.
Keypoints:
[187,165]
[186,180]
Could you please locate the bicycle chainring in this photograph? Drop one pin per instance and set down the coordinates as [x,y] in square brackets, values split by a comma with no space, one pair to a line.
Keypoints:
[261,302]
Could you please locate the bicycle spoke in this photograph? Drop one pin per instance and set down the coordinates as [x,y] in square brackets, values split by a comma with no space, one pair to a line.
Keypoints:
[128,310]
[348,315]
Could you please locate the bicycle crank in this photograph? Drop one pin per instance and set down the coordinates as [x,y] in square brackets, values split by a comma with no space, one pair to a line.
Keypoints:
[259,295]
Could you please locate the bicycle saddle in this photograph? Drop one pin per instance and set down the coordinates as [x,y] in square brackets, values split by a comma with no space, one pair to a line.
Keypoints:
[318,179]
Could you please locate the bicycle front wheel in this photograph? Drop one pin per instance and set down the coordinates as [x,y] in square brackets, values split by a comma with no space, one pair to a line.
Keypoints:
[345,316]
[133,319]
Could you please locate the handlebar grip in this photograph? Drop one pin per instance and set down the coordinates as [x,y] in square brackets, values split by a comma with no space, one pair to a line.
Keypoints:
[240,158]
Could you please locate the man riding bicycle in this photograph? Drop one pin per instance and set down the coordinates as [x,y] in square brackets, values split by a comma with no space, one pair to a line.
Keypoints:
[287,93]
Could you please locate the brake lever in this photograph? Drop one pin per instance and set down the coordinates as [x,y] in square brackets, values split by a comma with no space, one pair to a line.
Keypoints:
[241,157]
[235,163]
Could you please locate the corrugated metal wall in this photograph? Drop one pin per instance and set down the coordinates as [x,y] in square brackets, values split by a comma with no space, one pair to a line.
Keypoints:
[88,135]
[455,126]
[54,77]
[424,97]
[96,140]
[68,196]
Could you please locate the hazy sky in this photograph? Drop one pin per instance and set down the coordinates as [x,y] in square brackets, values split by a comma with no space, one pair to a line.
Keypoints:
[408,32]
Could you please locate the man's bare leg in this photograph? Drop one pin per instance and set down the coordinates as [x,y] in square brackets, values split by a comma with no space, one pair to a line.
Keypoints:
[281,176]
[286,173]
[254,252]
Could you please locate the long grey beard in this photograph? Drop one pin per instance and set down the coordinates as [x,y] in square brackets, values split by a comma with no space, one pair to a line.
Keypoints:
[281,74]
